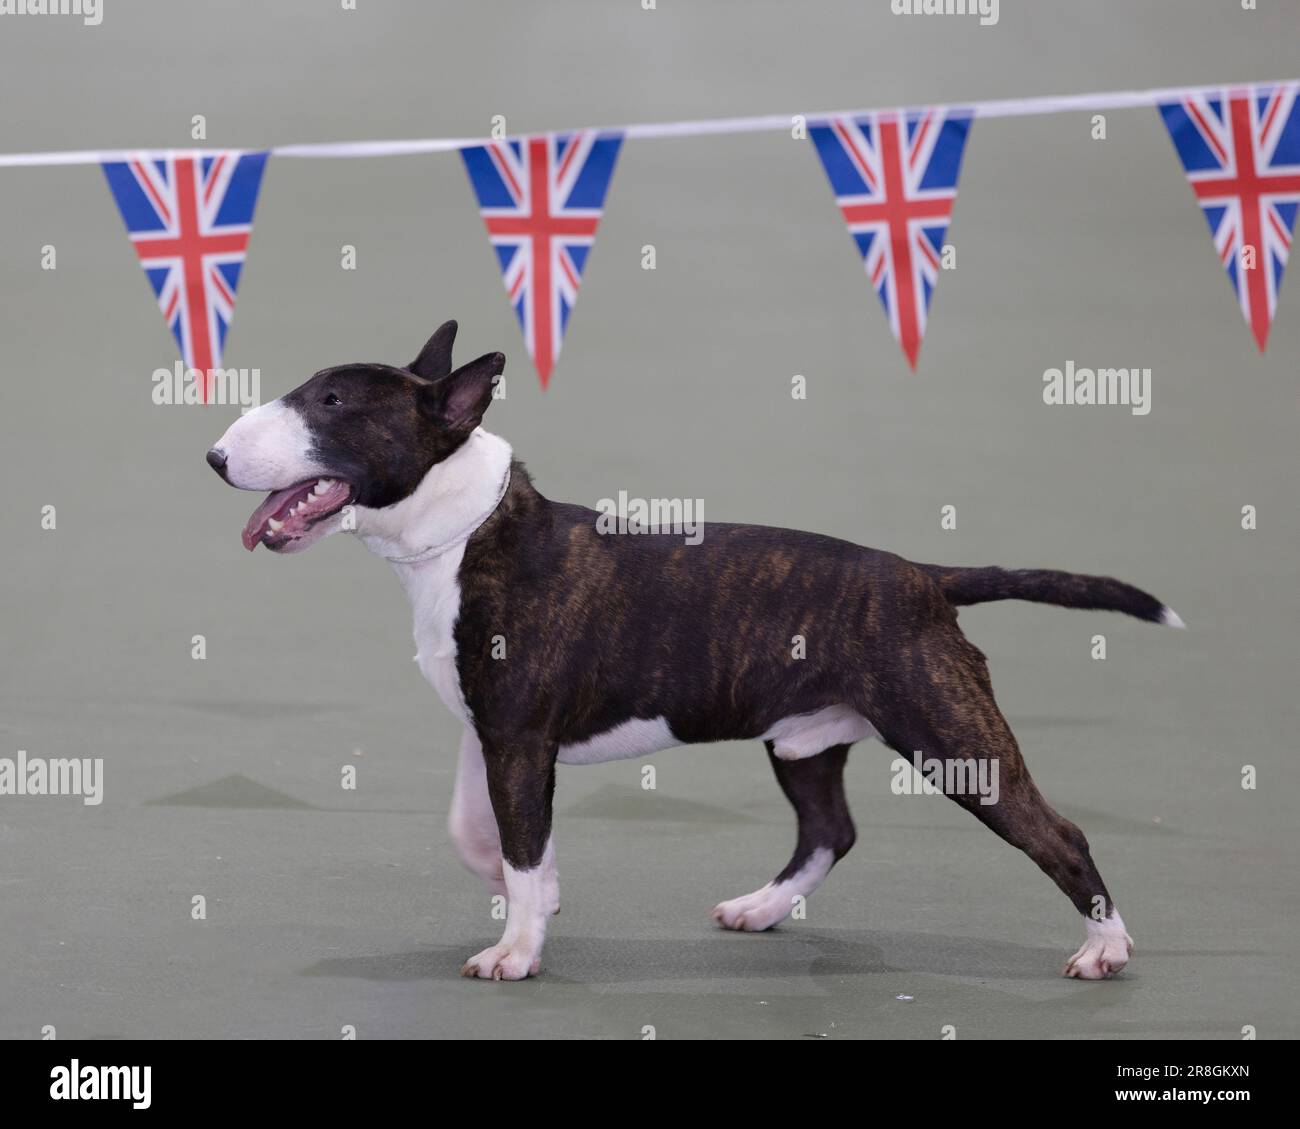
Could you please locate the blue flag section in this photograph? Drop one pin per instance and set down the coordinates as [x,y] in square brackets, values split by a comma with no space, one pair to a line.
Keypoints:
[542,199]
[895,181]
[189,218]
[1241,152]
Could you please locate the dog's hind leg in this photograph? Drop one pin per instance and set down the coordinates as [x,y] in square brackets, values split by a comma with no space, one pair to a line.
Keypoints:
[947,712]
[815,787]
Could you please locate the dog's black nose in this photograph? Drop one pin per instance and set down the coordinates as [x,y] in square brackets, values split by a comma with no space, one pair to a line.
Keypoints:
[217,461]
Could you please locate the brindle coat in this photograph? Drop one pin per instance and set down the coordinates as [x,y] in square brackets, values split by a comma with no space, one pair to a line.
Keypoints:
[604,629]
[601,628]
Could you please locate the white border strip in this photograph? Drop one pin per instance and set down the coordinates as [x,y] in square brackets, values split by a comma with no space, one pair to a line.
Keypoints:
[706,127]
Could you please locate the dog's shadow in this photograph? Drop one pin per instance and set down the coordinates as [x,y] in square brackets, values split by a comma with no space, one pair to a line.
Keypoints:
[783,953]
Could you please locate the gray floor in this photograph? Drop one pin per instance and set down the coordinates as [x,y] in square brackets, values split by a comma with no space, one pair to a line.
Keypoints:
[328,907]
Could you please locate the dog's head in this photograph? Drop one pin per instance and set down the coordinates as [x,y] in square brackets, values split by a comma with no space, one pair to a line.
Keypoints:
[361,435]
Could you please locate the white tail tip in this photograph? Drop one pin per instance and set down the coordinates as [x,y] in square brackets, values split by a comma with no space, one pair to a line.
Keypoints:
[1171,618]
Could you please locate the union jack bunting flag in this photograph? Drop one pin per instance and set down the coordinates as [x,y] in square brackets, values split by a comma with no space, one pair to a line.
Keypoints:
[541,199]
[895,180]
[1241,152]
[189,219]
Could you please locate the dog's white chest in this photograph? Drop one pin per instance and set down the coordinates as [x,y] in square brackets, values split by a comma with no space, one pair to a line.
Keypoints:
[435,599]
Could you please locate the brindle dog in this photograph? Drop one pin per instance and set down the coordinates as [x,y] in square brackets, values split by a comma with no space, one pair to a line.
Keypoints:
[554,642]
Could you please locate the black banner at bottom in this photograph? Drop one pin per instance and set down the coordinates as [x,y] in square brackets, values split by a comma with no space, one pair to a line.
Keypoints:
[364,1076]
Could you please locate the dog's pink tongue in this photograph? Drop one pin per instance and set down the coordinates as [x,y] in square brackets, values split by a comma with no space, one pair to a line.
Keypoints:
[256,526]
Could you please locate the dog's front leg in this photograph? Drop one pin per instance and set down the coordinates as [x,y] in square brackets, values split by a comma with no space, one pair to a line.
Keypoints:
[472,825]
[521,783]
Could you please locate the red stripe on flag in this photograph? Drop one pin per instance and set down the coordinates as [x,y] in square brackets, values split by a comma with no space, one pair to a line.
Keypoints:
[568,156]
[540,209]
[1206,131]
[1282,232]
[846,138]
[147,181]
[220,283]
[1273,104]
[891,161]
[568,270]
[924,244]
[1251,229]
[212,179]
[503,167]
[920,138]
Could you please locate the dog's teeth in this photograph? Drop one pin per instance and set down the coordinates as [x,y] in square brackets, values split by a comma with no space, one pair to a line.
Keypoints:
[274,526]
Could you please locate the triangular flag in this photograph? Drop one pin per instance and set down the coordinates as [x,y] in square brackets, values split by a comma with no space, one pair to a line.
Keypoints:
[895,180]
[189,218]
[542,199]
[1240,149]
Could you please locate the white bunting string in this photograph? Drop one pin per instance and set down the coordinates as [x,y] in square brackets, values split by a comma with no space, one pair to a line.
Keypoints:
[704,127]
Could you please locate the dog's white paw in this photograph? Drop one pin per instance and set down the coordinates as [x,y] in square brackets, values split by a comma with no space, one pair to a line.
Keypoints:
[503,962]
[772,904]
[754,912]
[1105,952]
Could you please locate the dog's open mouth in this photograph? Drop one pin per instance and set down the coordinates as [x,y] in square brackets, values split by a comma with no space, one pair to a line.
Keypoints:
[287,514]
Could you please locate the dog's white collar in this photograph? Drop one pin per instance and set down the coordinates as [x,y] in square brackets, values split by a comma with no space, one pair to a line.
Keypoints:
[461,537]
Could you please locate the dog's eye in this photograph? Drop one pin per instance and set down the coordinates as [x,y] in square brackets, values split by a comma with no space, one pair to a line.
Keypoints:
[331,400]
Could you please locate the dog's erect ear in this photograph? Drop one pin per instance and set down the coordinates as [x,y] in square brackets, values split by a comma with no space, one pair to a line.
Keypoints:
[434,360]
[459,401]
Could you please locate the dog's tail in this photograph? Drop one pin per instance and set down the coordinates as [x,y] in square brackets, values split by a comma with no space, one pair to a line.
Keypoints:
[1047,586]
